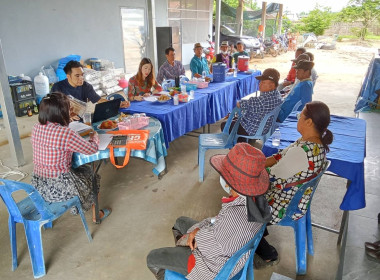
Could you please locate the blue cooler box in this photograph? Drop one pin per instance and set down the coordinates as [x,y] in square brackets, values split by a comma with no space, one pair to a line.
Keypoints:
[219,72]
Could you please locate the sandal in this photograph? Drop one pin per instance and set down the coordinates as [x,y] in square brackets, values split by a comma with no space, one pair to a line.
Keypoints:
[106,212]
[374,245]
[374,254]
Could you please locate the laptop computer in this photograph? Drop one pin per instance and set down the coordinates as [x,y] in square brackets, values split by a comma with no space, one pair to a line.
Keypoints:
[106,110]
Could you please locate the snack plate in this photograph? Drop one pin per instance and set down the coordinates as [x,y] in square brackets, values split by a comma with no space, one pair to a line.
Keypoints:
[150,99]
[163,101]
[103,129]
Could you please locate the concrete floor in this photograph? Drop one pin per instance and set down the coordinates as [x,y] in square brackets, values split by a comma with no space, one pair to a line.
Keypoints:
[145,208]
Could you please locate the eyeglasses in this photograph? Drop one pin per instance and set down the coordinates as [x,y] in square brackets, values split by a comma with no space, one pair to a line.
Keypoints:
[298,116]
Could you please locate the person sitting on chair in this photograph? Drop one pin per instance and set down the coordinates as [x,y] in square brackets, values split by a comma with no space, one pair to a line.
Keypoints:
[288,89]
[254,109]
[198,63]
[223,56]
[171,68]
[290,79]
[140,85]
[204,247]
[53,145]
[302,91]
[240,51]
[298,163]
[76,86]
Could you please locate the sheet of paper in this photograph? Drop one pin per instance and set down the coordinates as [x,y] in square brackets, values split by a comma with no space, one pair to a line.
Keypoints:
[79,127]
[150,99]
[104,140]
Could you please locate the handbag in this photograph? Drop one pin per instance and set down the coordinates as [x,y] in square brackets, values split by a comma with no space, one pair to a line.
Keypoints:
[134,140]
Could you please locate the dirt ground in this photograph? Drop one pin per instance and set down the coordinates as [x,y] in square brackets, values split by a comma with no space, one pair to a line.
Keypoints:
[340,72]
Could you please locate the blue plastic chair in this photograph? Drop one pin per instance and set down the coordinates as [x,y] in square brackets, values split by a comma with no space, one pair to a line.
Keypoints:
[298,106]
[259,135]
[224,140]
[302,227]
[114,96]
[34,212]
[245,273]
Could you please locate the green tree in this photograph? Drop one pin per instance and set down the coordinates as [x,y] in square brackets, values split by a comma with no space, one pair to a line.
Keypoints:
[365,11]
[317,21]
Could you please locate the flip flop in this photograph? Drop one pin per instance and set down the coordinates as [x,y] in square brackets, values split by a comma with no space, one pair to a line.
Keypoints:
[106,212]
[374,245]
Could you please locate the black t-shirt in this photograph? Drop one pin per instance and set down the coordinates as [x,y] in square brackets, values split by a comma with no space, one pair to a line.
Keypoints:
[82,92]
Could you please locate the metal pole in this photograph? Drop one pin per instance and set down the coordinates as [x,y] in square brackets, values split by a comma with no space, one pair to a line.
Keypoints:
[9,116]
[217,25]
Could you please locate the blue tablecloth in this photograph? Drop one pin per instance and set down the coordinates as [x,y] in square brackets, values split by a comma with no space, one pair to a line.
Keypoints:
[223,96]
[346,154]
[175,120]
[155,150]
[370,84]
[209,105]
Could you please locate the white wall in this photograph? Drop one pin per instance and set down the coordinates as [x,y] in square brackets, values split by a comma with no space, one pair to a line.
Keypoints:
[40,32]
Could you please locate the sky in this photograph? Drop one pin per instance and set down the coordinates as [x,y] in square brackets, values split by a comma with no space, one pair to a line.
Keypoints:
[298,6]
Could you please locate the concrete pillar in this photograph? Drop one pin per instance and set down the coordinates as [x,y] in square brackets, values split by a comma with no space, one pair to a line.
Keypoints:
[263,16]
[9,116]
[152,38]
[217,25]
[280,19]
[239,18]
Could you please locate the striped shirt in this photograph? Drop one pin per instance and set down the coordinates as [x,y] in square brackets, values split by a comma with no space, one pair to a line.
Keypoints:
[255,109]
[167,71]
[218,241]
[53,147]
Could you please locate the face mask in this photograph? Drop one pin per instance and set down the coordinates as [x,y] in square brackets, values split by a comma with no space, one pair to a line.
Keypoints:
[224,185]
[226,52]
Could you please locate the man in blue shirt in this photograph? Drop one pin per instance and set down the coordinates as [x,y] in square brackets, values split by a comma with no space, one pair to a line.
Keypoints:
[75,85]
[302,91]
[198,64]
[254,109]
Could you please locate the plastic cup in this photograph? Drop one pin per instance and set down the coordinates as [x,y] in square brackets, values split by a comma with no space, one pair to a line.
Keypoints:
[175,100]
[87,118]
[191,93]
[183,88]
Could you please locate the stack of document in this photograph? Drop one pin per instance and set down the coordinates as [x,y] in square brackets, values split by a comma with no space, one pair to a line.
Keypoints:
[81,128]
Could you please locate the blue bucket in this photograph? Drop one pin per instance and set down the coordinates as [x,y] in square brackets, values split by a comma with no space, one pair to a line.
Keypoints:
[219,72]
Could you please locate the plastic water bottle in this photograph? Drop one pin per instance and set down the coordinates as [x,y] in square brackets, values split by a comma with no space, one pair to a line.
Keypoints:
[41,86]
[276,138]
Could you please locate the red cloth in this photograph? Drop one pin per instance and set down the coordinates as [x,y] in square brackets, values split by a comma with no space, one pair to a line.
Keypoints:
[190,263]
[53,147]
[292,74]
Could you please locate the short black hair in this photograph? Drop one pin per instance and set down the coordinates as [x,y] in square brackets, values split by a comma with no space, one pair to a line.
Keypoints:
[301,50]
[70,65]
[240,43]
[55,108]
[168,50]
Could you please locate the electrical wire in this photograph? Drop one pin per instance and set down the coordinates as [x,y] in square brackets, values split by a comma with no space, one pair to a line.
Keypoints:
[11,172]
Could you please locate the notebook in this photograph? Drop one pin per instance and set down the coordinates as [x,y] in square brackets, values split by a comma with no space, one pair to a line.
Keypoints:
[106,110]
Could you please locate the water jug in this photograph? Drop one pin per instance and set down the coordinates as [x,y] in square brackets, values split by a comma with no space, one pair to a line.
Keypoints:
[243,63]
[41,86]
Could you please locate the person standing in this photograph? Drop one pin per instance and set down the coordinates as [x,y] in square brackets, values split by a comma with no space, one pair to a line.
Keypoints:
[240,51]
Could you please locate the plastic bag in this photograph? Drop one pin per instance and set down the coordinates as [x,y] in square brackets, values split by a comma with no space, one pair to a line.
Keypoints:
[50,73]
[62,63]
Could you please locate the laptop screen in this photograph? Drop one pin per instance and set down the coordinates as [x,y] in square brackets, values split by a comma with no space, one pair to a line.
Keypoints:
[106,110]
